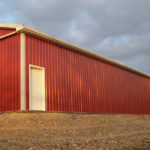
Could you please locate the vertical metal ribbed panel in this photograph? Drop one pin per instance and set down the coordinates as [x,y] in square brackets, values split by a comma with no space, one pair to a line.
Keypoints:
[4,32]
[10,73]
[77,83]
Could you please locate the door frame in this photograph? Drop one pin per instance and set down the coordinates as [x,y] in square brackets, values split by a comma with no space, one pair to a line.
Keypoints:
[30,91]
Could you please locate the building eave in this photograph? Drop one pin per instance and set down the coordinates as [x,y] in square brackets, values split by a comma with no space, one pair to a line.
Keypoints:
[35,33]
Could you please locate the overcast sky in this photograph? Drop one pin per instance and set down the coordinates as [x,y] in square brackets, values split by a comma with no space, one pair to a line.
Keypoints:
[118,29]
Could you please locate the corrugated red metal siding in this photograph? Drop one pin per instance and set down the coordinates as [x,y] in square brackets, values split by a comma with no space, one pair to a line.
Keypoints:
[10,73]
[4,32]
[77,83]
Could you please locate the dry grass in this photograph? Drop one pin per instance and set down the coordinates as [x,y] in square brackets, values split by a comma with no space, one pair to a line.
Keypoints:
[66,131]
[139,148]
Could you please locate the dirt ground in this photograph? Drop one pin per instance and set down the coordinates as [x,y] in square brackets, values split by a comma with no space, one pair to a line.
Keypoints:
[67,131]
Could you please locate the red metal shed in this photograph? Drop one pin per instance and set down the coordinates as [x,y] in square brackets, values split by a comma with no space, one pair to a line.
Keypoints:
[39,72]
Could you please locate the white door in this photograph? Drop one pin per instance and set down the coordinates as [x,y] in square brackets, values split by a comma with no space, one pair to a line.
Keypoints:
[37,89]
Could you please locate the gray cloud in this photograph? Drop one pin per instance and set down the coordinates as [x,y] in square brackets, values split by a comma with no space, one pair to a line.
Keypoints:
[116,29]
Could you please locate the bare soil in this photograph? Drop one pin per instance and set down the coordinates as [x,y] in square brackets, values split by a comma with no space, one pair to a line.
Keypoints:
[72,131]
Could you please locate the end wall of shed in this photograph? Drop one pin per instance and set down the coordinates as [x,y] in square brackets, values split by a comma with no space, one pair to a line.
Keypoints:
[10,73]
[5,31]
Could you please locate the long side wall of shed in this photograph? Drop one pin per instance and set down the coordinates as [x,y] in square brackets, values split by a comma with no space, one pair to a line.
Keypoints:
[10,73]
[77,83]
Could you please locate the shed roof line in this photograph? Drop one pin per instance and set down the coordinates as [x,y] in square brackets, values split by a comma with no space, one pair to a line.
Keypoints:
[33,32]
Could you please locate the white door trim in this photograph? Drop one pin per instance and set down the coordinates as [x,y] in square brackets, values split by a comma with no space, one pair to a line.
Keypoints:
[30,91]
